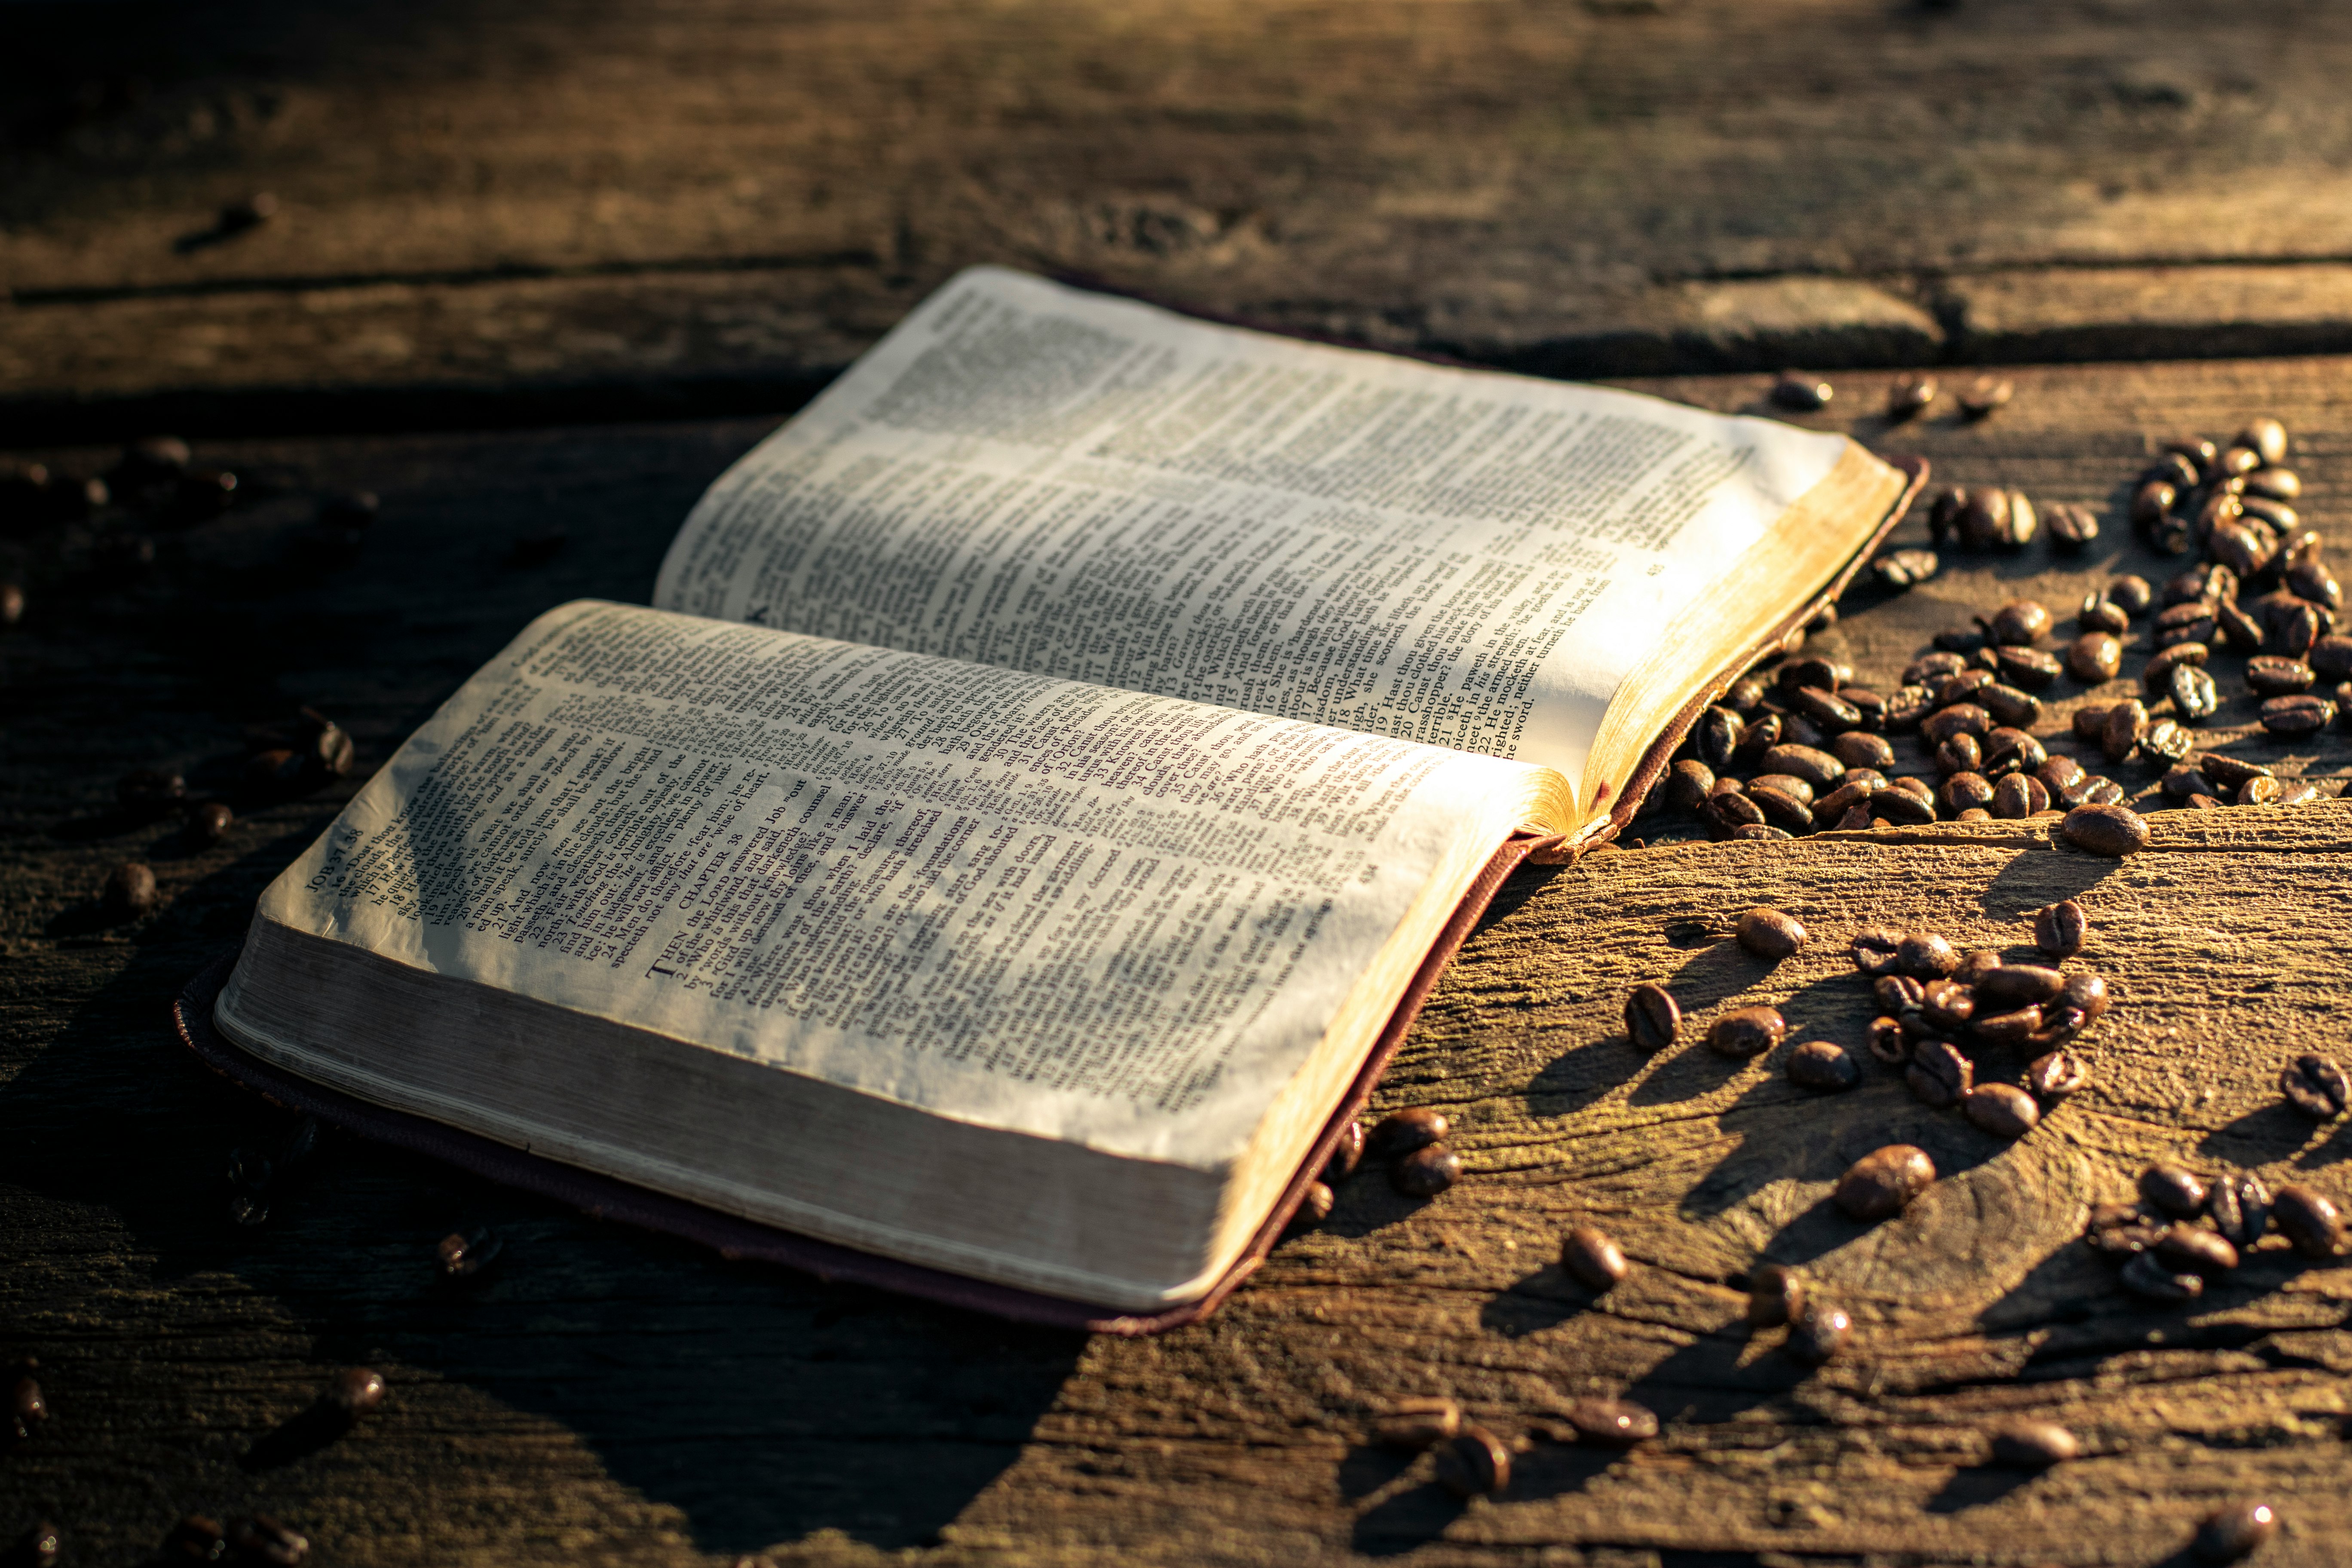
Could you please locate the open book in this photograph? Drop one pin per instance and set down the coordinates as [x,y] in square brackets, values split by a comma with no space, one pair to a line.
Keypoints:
[1049,762]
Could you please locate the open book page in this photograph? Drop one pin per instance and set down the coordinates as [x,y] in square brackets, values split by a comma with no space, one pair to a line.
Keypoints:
[1034,477]
[1119,920]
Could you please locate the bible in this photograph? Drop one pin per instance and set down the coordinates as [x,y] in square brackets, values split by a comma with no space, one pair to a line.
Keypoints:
[1049,773]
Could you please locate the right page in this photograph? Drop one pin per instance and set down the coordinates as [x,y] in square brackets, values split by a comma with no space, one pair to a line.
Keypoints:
[1082,486]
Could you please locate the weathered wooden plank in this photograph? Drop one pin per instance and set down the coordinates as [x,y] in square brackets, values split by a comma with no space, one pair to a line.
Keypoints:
[567,193]
[610,1396]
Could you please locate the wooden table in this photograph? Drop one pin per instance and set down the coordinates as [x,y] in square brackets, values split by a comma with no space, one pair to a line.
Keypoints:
[494,222]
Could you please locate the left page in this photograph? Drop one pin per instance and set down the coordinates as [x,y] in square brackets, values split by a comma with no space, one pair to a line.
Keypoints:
[1046,480]
[1119,920]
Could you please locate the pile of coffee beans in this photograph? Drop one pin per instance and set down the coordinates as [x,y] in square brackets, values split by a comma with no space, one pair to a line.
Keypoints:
[2188,1228]
[1797,746]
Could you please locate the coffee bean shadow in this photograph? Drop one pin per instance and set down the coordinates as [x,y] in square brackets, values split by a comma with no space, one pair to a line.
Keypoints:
[1976,1488]
[1543,1300]
[1576,1079]
[1405,1521]
[2335,1147]
[2031,879]
[1710,978]
[750,1399]
[2266,1135]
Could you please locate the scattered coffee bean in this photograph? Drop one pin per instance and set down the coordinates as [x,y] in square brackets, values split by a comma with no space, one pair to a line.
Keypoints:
[1747,1032]
[2240,630]
[1651,1018]
[2001,1109]
[1983,395]
[2228,773]
[2094,657]
[1399,1132]
[2111,830]
[1817,768]
[1769,933]
[1802,393]
[1823,1065]
[2053,1078]
[2271,676]
[1419,1423]
[2019,986]
[1887,1042]
[262,1540]
[2194,695]
[2173,1190]
[1315,1207]
[1611,1423]
[1474,1463]
[1780,809]
[2131,594]
[2147,1276]
[208,822]
[1924,955]
[1345,1155]
[2126,723]
[2295,717]
[129,892]
[1591,1259]
[1882,1182]
[1762,832]
[1820,1333]
[1775,1296]
[2258,792]
[2278,484]
[2188,1249]
[2059,929]
[2121,1231]
[1860,749]
[462,1256]
[2240,1207]
[2316,1086]
[1426,1171]
[1903,569]
[2033,1444]
[2227,1534]
[2019,621]
[1909,397]
[1946,1007]
[2072,526]
[354,1392]
[1688,785]
[2308,1219]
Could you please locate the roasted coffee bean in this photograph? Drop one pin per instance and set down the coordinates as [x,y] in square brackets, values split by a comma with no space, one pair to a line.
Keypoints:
[1611,1423]
[2183,779]
[2053,1077]
[1775,1296]
[2156,678]
[2072,526]
[1811,670]
[2227,1534]
[1868,703]
[1345,1155]
[262,1540]
[1400,1133]
[1789,784]
[2016,1027]
[149,793]
[1903,569]
[2059,931]
[1958,718]
[2019,622]
[2100,615]
[2194,695]
[1929,668]
[2173,1190]
[1975,964]
[1856,749]
[2271,676]
[2033,1444]
[1315,1207]
[1877,952]
[2009,706]
[2240,631]
[2147,1276]
[2191,1250]
[2276,484]
[1747,1032]
[1901,994]
[1652,1018]
[2127,722]
[1904,807]
[2266,438]
[1853,794]
[2165,743]
[2206,585]
[2307,1219]
[2118,1231]
[2019,986]
[2131,594]
[1426,1171]
[1926,955]
[1824,1066]
[129,892]
[1819,1333]
[2058,773]
[2292,630]
[2020,795]
[1720,730]
[1795,730]
[1985,394]
[2089,723]
[1418,1422]
[2185,623]
[1886,1041]
[2095,657]
[1688,783]
[1967,792]
[1817,768]
[1745,696]
[1591,1259]
[2002,1109]
[1943,512]
[1962,639]
[208,822]
[1769,933]
[1885,1182]
[2111,830]
[2257,792]
[1945,1006]
[2092,789]
[1781,810]
[1909,397]
[1474,1463]
[2316,1086]
[2008,750]
[1983,520]
[2295,717]
[2240,1208]
[354,1392]
[2314,582]
[2086,993]
[2297,794]
[1763,832]
[2158,493]
[2228,773]
[1801,394]
[2331,656]
[2029,669]
[1960,754]
[462,1255]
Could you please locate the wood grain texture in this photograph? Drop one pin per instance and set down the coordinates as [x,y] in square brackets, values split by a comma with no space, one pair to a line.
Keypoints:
[606,1396]
[474,194]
